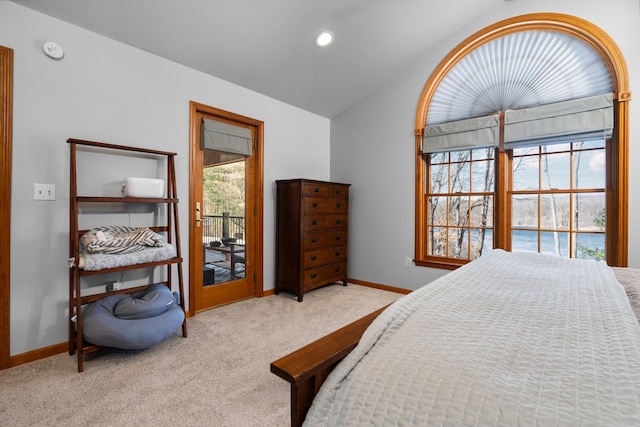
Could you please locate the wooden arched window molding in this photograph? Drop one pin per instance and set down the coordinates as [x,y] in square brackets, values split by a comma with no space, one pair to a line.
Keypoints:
[617,150]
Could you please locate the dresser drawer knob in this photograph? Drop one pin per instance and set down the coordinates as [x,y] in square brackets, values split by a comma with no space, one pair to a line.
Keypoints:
[337,269]
[337,237]
[313,258]
[338,205]
[316,190]
[337,221]
[313,275]
[337,191]
[314,222]
[314,204]
[314,240]
[338,253]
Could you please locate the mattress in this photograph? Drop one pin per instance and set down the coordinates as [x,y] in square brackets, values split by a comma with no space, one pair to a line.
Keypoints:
[510,339]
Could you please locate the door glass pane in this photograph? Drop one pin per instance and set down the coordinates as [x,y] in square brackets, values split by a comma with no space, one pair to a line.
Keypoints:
[223,214]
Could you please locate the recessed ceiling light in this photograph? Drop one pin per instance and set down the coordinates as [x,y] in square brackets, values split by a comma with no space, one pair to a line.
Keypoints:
[323,38]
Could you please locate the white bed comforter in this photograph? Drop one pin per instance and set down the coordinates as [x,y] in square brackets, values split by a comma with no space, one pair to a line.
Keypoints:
[512,339]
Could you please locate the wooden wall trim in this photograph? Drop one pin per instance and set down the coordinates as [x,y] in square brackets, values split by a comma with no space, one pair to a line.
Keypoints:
[379,286]
[41,353]
[6,120]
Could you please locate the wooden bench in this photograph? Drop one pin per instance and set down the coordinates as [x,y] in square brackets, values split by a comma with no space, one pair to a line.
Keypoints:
[307,368]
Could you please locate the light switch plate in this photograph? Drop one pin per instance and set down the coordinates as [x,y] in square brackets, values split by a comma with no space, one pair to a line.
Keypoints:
[44,191]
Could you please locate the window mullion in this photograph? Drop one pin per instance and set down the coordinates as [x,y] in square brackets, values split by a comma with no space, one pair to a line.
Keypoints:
[501,202]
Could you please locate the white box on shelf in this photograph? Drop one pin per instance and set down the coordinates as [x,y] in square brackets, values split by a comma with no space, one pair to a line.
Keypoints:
[143,187]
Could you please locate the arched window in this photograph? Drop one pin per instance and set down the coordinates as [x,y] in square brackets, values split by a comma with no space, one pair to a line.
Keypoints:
[521,144]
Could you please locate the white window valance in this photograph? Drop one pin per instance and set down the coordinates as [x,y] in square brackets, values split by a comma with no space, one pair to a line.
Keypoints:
[477,132]
[225,137]
[574,120]
[566,121]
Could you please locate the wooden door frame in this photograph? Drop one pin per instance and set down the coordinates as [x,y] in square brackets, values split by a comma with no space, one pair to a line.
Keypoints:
[6,120]
[258,203]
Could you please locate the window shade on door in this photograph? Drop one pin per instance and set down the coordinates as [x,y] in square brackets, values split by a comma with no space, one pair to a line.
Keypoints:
[477,132]
[224,137]
[567,121]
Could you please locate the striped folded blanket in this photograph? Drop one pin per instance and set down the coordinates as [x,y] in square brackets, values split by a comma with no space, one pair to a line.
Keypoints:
[120,239]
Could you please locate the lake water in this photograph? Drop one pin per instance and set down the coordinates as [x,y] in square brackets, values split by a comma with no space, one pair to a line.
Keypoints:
[524,240]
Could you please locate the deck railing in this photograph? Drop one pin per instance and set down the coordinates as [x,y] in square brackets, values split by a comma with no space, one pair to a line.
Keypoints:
[215,227]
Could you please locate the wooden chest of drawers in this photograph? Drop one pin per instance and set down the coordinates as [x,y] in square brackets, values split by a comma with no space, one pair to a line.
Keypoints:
[312,221]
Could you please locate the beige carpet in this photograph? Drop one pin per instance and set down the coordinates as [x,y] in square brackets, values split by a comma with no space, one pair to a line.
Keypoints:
[218,376]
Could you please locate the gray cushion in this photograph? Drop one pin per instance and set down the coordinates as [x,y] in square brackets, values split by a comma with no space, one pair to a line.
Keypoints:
[154,301]
[102,327]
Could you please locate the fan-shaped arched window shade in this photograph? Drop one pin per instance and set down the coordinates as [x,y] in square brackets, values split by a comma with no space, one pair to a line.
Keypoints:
[485,119]
[516,71]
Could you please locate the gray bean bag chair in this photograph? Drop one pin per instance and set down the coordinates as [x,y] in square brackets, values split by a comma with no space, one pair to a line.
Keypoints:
[133,321]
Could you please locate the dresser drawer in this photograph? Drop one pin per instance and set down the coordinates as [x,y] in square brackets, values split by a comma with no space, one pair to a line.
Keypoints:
[324,275]
[324,238]
[313,259]
[338,191]
[324,222]
[323,190]
[315,189]
[325,205]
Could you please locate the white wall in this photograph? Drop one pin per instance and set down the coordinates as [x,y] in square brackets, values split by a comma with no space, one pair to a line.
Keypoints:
[106,91]
[377,135]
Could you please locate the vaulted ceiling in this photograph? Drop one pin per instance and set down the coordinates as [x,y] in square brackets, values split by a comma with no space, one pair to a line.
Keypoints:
[267,45]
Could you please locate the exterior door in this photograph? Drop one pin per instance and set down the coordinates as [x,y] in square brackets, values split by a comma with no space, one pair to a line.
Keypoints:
[225,214]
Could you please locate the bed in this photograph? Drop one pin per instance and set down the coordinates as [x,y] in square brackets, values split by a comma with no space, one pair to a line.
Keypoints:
[509,339]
